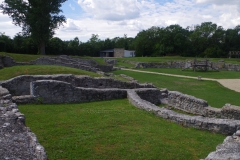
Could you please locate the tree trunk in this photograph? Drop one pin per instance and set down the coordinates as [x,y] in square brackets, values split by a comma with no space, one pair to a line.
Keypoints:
[41,48]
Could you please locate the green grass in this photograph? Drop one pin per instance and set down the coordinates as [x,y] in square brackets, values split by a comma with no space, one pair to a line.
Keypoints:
[211,91]
[21,57]
[30,57]
[114,130]
[208,74]
[120,63]
[178,58]
[10,72]
[99,60]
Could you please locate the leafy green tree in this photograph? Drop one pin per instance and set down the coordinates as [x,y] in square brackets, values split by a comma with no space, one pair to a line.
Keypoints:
[201,37]
[95,44]
[38,18]
[24,44]
[108,44]
[56,46]
[6,43]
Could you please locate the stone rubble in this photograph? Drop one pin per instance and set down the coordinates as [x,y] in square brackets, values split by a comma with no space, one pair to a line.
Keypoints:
[228,150]
[16,140]
[84,64]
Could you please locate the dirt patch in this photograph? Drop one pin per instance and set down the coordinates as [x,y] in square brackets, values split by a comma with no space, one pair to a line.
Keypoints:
[233,84]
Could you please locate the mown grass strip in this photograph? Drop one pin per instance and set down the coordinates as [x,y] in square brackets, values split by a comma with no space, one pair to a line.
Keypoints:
[178,58]
[10,72]
[203,74]
[22,57]
[114,130]
[213,92]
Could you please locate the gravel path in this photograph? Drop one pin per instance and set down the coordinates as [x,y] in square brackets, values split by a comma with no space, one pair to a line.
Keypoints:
[233,84]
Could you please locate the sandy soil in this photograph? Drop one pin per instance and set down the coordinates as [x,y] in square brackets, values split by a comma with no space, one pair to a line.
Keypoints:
[233,84]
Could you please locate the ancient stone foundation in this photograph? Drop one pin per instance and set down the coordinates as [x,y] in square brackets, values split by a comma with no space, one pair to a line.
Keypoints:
[75,89]
[67,61]
[16,140]
[221,65]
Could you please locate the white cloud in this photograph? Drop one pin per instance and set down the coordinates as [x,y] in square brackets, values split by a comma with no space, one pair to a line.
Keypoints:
[71,26]
[114,10]
[219,2]
[7,27]
[114,18]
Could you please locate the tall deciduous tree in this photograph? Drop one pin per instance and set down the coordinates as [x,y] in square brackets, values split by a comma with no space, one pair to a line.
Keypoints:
[38,18]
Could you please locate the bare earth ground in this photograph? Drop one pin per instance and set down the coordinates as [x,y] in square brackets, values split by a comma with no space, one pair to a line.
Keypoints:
[233,84]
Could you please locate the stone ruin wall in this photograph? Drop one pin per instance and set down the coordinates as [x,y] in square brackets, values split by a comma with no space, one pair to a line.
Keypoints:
[17,141]
[221,65]
[20,85]
[68,89]
[229,149]
[143,97]
[84,64]
[200,107]
[51,91]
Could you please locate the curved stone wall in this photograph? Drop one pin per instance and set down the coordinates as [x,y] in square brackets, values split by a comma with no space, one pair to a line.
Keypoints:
[191,104]
[224,126]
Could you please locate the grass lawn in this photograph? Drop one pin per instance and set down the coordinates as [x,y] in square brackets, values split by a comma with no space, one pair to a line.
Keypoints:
[10,72]
[22,57]
[177,58]
[211,91]
[29,57]
[114,130]
[208,74]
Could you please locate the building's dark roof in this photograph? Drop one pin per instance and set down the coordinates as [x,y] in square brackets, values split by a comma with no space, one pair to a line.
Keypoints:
[108,50]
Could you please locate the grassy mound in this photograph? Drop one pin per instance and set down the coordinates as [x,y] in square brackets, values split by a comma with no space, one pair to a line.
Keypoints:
[10,72]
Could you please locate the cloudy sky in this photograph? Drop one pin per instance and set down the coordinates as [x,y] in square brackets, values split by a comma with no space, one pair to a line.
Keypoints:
[114,18]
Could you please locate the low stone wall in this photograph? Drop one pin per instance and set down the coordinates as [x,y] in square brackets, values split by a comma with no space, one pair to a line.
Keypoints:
[84,64]
[170,64]
[105,68]
[198,106]
[17,141]
[221,65]
[228,150]
[224,126]
[154,96]
[187,103]
[230,112]
[51,91]
[21,85]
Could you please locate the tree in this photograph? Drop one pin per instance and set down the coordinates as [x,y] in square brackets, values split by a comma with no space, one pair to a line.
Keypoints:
[6,44]
[24,44]
[56,46]
[38,18]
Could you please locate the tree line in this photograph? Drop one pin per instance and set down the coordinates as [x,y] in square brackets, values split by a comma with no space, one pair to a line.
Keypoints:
[204,40]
